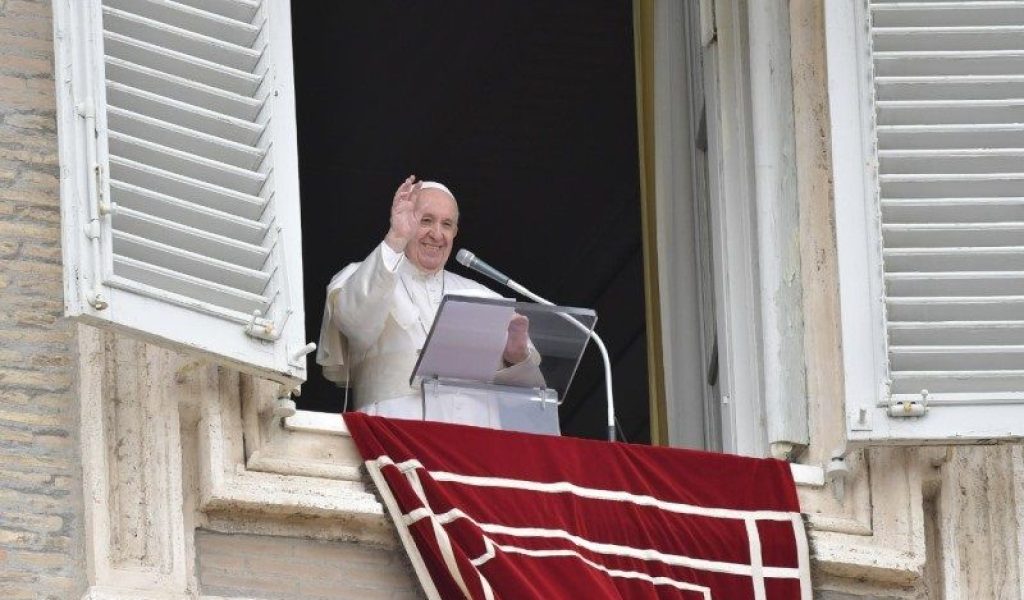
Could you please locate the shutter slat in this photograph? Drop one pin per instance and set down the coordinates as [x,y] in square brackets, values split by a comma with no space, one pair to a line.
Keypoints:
[187,188]
[189,263]
[190,43]
[952,210]
[956,87]
[924,161]
[180,64]
[176,161]
[184,139]
[946,14]
[239,10]
[934,185]
[962,38]
[193,93]
[957,62]
[956,357]
[961,283]
[179,235]
[956,308]
[961,259]
[923,235]
[953,135]
[976,382]
[187,213]
[928,333]
[192,19]
[936,112]
[191,287]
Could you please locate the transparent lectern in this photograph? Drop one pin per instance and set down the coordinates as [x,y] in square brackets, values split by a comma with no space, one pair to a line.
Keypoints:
[463,378]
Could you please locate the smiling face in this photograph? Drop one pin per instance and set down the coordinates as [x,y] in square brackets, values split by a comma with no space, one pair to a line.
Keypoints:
[439,222]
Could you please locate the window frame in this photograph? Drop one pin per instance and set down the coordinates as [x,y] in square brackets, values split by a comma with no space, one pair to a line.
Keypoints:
[757,419]
[858,223]
[734,239]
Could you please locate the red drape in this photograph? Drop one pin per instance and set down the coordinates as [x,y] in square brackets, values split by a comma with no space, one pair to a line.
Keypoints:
[498,514]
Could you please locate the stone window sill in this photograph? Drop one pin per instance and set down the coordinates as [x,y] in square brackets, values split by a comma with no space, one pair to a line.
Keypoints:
[332,424]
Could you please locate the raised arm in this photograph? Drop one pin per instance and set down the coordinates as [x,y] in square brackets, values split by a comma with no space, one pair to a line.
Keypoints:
[360,296]
[404,220]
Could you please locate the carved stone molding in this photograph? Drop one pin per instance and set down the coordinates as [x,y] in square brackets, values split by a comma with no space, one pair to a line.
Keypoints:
[118,593]
[317,477]
[981,522]
[893,549]
[163,452]
[276,446]
[131,464]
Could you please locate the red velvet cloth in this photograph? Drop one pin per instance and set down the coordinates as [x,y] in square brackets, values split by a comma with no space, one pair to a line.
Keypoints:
[498,514]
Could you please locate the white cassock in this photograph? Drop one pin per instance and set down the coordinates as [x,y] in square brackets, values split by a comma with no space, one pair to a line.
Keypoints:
[376,319]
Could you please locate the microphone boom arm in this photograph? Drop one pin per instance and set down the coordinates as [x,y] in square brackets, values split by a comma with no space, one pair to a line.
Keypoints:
[515,286]
[468,259]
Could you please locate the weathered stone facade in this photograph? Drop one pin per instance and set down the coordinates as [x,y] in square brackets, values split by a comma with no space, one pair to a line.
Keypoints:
[291,567]
[128,471]
[41,518]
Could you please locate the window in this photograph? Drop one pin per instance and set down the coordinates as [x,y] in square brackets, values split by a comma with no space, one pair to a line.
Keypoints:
[527,110]
[181,206]
[925,104]
[194,218]
[179,180]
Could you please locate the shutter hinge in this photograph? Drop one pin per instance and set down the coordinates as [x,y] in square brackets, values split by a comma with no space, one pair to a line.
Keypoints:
[265,329]
[96,209]
[92,229]
[86,109]
[261,328]
[909,406]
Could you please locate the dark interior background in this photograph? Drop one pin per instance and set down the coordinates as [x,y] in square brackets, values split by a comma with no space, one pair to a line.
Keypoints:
[527,110]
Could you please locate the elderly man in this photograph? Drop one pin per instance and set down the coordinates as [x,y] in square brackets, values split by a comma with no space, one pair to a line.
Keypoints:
[379,311]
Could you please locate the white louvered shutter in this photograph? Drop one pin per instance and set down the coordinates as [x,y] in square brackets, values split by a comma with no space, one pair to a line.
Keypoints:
[179,175]
[948,83]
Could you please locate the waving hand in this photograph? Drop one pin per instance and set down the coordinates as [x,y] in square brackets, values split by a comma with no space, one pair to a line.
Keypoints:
[404,221]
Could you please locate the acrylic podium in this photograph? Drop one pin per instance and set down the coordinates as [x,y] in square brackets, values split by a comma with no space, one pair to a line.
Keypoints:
[463,378]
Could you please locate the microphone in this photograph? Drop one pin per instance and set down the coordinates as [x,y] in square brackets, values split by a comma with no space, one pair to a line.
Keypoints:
[468,259]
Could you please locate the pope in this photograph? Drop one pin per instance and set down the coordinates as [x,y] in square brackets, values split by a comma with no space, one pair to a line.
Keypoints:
[379,311]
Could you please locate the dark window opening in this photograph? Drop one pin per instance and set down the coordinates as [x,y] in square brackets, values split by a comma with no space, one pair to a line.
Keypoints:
[527,110]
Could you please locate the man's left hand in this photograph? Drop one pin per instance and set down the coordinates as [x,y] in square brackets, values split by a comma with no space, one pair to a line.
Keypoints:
[517,346]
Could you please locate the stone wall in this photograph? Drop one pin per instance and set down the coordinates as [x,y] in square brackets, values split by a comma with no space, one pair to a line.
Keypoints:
[261,566]
[41,552]
[911,523]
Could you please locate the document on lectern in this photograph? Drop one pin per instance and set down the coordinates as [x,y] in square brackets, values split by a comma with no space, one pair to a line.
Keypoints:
[467,341]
